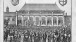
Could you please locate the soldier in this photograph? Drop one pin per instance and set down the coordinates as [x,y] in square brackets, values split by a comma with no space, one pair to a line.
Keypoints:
[5,35]
[19,36]
[37,37]
[58,38]
[55,35]
[22,37]
[15,36]
[64,35]
[44,37]
[69,35]
[34,34]
[31,36]
[26,37]
[50,37]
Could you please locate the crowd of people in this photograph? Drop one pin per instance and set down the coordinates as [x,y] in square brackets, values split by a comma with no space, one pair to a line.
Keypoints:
[57,35]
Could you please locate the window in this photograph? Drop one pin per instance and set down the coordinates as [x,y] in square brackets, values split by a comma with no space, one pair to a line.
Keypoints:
[49,20]
[25,20]
[43,20]
[54,20]
[19,21]
[60,21]
[37,20]
[31,20]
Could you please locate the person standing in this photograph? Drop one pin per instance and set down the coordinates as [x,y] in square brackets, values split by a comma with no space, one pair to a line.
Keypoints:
[22,36]
[69,35]
[50,38]
[5,35]
[36,38]
[31,37]
[26,36]
[58,38]
[44,37]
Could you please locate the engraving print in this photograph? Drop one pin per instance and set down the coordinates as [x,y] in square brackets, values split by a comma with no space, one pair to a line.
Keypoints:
[37,20]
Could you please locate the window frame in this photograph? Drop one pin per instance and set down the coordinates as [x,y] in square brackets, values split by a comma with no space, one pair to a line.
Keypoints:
[45,20]
[19,20]
[51,20]
[26,20]
[35,21]
[32,18]
[56,20]
[62,21]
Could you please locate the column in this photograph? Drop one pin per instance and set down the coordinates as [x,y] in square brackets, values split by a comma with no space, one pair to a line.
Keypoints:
[57,20]
[52,18]
[34,20]
[63,20]
[22,20]
[16,18]
[46,20]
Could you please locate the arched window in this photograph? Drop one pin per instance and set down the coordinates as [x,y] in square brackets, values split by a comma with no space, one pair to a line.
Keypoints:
[43,20]
[49,21]
[54,20]
[60,20]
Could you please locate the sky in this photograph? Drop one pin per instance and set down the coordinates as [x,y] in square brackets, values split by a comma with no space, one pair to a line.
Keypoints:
[66,8]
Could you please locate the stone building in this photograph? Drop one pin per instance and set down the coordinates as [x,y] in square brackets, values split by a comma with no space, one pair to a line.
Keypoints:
[38,16]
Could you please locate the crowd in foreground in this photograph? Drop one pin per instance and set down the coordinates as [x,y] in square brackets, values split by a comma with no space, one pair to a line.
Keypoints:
[57,35]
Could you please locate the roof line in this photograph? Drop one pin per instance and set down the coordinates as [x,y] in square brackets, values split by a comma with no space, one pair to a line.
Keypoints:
[40,3]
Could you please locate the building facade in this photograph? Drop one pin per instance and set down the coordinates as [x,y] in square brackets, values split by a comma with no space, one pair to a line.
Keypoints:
[38,16]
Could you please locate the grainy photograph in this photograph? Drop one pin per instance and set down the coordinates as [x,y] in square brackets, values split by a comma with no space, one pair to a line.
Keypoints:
[37,20]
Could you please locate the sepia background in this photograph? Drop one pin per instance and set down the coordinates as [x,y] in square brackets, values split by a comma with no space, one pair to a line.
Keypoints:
[67,8]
